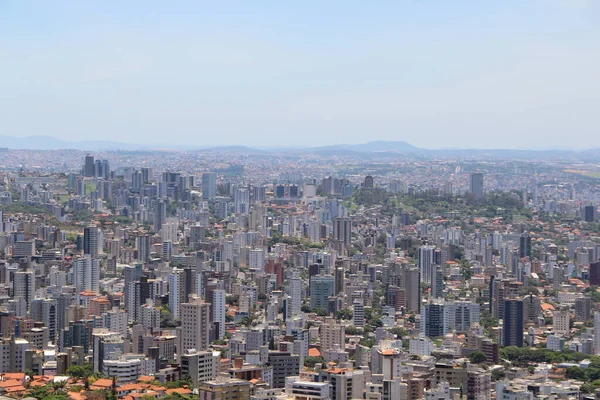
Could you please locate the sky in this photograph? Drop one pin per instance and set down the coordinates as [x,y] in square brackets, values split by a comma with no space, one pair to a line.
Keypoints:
[521,74]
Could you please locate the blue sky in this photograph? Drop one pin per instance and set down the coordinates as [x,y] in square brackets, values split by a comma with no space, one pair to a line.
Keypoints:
[436,73]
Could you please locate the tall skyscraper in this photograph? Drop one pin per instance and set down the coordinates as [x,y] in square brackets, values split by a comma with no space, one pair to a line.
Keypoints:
[45,310]
[160,215]
[195,324]
[461,315]
[589,213]
[476,185]
[583,308]
[597,333]
[218,306]
[412,286]
[146,175]
[426,263]
[525,245]
[89,167]
[142,244]
[241,200]
[90,241]
[358,313]
[209,185]
[136,181]
[174,281]
[342,230]
[294,302]
[512,328]
[595,273]
[437,282]
[321,287]
[86,274]
[332,334]
[432,319]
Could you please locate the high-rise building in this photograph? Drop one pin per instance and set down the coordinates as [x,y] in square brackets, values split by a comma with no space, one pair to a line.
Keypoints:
[321,287]
[426,263]
[142,244]
[461,315]
[437,282]
[86,274]
[294,301]
[136,181]
[432,319]
[412,286]
[512,328]
[241,200]
[589,213]
[595,273]
[200,366]
[24,248]
[531,309]
[160,215]
[146,175]
[174,281]
[209,185]
[46,311]
[525,245]
[106,344]
[597,333]
[479,385]
[560,321]
[476,185]
[115,320]
[102,169]
[358,313]
[342,230]
[284,364]
[256,259]
[332,334]
[583,308]
[195,324]
[89,168]
[90,241]
[218,307]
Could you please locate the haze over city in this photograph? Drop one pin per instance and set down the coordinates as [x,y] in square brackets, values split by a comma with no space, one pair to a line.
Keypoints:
[437,74]
[300,200]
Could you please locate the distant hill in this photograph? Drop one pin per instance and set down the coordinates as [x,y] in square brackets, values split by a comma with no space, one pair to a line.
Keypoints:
[234,149]
[41,142]
[367,151]
[376,146]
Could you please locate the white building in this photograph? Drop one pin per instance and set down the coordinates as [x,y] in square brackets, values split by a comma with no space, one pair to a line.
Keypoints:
[174,282]
[560,321]
[150,315]
[115,320]
[86,274]
[257,259]
[298,389]
[421,346]
[128,367]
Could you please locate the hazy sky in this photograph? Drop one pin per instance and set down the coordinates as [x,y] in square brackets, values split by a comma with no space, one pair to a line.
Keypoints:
[436,73]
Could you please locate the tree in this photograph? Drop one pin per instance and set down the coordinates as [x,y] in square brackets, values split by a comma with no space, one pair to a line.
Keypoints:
[80,371]
[575,373]
[344,313]
[498,374]
[477,357]
[311,361]
[587,387]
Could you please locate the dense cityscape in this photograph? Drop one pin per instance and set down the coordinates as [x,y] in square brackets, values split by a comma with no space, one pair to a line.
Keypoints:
[241,274]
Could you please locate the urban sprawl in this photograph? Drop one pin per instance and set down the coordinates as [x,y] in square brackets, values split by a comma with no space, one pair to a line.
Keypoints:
[238,274]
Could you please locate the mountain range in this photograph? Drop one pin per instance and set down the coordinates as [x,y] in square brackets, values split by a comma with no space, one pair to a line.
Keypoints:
[369,149]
